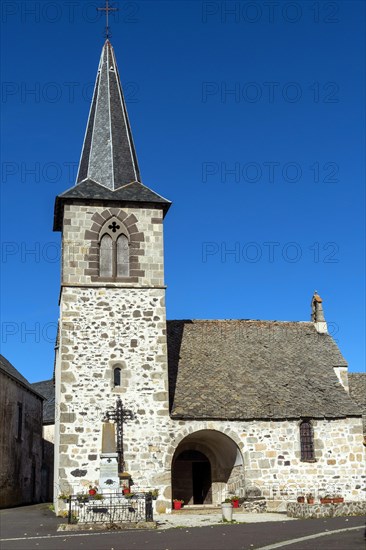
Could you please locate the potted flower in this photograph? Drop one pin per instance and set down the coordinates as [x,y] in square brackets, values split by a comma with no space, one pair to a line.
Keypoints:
[327,499]
[235,501]
[227,510]
[177,503]
[301,499]
[92,490]
[126,490]
[310,498]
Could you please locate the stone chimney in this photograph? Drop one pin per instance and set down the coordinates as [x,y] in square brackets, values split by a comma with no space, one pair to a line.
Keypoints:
[317,314]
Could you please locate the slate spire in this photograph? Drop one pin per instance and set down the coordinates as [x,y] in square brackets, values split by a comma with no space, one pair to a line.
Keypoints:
[108,156]
[108,168]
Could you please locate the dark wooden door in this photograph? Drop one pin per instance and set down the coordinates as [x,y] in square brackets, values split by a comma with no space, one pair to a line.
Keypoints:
[201,478]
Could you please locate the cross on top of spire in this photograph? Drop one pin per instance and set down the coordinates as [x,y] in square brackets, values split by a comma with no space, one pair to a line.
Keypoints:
[107,9]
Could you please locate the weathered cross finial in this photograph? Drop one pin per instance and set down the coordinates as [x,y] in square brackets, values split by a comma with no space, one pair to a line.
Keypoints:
[107,9]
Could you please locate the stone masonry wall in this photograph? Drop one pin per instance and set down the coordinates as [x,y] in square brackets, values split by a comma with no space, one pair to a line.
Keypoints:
[20,457]
[272,459]
[317,510]
[100,329]
[271,456]
[81,229]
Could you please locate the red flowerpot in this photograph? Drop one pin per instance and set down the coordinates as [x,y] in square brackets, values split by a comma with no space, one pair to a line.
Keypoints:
[326,501]
[235,503]
[310,500]
[126,491]
[301,499]
[92,492]
[337,500]
[177,505]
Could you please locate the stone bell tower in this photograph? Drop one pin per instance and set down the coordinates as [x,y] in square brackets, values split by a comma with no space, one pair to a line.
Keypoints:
[112,326]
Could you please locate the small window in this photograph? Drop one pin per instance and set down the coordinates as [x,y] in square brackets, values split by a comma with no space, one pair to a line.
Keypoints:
[117,376]
[20,422]
[307,441]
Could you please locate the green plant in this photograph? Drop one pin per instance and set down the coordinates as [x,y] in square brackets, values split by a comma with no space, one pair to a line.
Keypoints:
[178,500]
[235,497]
[64,496]
[74,518]
[82,497]
[154,493]
[232,521]
[227,500]
[97,497]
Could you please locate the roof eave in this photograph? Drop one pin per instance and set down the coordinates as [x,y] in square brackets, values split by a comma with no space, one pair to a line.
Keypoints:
[274,418]
[21,383]
[61,201]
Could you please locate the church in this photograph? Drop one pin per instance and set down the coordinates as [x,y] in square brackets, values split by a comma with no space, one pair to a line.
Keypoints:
[203,409]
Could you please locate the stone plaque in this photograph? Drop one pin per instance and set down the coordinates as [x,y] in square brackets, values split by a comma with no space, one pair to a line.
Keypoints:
[108,438]
[108,477]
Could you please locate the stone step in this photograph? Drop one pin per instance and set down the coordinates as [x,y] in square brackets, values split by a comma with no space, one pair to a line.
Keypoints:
[200,509]
[197,509]
[276,505]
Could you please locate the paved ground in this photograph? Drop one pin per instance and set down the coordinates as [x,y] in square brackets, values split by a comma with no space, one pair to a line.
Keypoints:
[35,527]
[167,521]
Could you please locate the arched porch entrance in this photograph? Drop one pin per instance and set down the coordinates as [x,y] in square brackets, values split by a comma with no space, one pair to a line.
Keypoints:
[207,465]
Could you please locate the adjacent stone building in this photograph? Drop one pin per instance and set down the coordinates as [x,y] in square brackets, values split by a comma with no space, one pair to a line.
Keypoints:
[219,407]
[20,438]
[46,388]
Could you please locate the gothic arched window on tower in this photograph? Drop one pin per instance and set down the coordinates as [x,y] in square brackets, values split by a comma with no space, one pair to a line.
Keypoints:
[114,254]
[307,441]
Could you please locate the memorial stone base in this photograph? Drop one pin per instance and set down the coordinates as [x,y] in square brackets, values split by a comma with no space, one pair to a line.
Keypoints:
[109,479]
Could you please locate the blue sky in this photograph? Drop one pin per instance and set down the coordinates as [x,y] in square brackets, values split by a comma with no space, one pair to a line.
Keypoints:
[249,117]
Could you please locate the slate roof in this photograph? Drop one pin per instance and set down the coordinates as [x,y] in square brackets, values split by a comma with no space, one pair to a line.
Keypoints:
[47,389]
[242,369]
[357,388]
[357,391]
[13,373]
